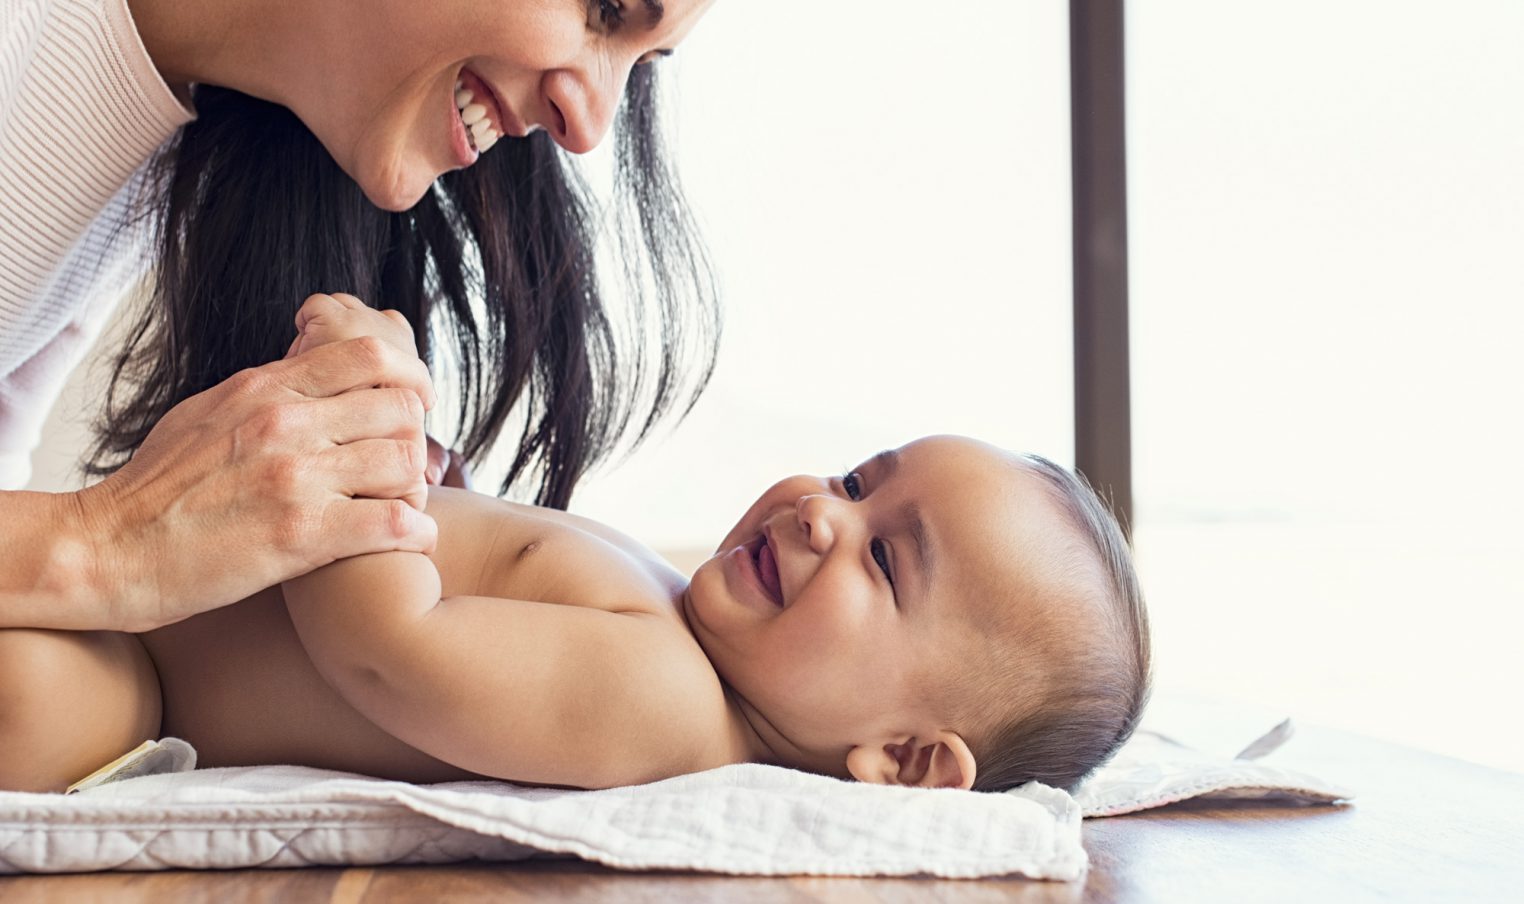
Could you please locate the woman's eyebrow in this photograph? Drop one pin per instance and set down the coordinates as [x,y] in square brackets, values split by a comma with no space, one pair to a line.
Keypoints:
[885,462]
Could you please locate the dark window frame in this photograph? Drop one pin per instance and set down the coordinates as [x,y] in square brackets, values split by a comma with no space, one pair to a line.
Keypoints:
[1102,399]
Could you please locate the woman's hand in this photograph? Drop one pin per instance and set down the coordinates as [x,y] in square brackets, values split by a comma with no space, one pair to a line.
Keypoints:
[333,318]
[274,472]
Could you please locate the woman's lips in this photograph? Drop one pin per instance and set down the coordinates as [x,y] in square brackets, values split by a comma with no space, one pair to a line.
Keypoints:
[501,117]
[460,145]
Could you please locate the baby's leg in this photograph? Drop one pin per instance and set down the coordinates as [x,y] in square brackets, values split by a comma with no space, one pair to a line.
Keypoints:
[70,702]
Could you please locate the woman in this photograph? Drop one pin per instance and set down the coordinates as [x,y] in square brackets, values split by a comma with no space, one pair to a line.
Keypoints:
[334,146]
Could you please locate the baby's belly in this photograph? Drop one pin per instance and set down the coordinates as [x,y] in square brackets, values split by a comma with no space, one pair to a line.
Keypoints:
[238,686]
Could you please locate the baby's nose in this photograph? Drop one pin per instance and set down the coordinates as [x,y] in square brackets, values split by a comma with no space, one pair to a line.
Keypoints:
[814,514]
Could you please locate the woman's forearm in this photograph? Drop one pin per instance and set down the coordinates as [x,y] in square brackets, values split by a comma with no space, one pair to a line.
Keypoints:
[50,568]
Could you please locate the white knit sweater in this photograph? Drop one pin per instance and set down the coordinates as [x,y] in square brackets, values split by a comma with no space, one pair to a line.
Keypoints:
[81,109]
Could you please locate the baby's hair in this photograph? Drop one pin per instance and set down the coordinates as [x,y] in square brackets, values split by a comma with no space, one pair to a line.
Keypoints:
[1092,698]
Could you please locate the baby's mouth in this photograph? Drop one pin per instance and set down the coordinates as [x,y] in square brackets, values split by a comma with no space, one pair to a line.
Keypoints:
[767,570]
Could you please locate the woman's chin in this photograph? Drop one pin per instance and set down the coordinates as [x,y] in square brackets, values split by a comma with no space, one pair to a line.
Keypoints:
[395,184]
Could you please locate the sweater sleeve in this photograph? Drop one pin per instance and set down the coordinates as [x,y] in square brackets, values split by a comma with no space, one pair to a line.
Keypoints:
[28,393]
[64,264]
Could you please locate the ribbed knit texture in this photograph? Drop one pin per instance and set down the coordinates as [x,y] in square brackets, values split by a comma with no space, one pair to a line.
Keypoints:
[81,109]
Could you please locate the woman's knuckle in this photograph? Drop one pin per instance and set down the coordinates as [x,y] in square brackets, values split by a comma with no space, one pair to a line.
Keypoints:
[250,381]
[408,405]
[283,477]
[276,422]
[262,429]
[371,350]
[295,531]
[412,456]
[399,518]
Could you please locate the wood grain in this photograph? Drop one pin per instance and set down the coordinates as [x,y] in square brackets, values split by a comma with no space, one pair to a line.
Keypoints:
[1424,828]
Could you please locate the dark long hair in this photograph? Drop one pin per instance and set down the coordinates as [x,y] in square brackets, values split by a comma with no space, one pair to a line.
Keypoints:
[248,215]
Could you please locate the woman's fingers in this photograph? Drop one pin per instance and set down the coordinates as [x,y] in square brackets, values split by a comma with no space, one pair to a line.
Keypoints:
[363,526]
[362,414]
[374,442]
[379,469]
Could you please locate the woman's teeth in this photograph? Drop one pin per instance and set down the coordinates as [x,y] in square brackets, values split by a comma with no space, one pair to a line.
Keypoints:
[478,127]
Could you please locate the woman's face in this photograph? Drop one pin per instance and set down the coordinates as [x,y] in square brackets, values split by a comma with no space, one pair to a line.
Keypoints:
[386,106]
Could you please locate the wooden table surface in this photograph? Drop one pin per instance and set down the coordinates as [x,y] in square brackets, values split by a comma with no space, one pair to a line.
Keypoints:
[1423,828]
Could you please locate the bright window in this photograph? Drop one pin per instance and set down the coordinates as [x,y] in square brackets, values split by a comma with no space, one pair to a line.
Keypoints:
[886,191]
[1327,217]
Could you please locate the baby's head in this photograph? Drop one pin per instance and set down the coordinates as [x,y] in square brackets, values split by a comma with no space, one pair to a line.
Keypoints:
[947,613]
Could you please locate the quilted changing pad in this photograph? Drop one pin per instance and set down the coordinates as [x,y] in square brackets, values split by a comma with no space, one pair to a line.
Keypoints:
[745,819]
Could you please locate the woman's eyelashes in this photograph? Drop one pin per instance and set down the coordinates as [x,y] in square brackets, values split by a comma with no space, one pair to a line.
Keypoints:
[852,483]
[608,14]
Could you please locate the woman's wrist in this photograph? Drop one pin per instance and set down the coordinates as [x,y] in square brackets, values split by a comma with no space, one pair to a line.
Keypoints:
[91,553]
[53,575]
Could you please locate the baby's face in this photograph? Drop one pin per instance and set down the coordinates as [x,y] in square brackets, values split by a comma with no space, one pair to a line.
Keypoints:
[837,606]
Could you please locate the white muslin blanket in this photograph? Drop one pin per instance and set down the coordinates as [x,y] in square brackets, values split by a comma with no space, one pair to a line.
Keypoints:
[745,819]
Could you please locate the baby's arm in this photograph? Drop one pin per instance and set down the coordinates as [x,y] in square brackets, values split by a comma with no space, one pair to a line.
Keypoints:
[520,690]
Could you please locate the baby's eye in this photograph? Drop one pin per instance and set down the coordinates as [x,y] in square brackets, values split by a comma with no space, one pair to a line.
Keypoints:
[852,483]
[882,558]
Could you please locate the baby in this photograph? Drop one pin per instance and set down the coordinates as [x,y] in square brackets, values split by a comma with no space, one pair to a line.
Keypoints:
[945,614]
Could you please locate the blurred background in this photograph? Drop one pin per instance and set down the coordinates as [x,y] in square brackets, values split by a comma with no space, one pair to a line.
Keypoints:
[1326,223]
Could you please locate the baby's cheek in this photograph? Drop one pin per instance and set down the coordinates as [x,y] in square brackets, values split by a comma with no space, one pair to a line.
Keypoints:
[832,616]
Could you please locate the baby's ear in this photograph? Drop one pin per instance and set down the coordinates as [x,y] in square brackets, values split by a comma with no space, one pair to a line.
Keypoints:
[940,761]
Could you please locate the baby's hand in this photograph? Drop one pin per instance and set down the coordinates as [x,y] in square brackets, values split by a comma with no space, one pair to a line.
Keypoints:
[333,318]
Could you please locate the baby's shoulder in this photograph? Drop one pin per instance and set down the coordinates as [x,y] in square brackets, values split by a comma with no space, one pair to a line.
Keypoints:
[550,556]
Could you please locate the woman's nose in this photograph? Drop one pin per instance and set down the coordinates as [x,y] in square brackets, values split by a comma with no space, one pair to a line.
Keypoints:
[582,103]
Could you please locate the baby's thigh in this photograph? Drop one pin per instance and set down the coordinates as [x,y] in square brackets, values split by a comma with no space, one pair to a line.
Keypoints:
[70,702]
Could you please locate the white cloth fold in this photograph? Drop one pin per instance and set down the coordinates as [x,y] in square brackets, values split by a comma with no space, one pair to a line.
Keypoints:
[744,819]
